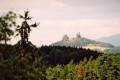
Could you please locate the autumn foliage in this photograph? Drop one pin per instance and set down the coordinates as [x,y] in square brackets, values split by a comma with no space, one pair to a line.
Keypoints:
[81,71]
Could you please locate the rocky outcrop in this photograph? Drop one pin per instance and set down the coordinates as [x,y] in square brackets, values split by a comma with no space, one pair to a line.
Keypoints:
[78,35]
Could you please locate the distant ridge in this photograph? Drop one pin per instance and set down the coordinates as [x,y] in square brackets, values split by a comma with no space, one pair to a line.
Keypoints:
[80,41]
[114,39]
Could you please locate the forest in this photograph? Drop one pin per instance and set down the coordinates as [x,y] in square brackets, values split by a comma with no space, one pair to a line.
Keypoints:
[25,61]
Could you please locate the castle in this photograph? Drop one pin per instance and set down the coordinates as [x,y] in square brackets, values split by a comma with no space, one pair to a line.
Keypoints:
[66,38]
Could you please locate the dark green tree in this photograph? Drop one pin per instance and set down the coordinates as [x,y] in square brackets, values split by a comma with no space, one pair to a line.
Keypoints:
[21,67]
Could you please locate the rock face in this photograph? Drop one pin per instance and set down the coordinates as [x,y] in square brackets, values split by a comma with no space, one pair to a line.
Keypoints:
[65,38]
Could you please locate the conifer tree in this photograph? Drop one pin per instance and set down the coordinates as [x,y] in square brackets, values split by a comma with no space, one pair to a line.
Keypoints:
[24,30]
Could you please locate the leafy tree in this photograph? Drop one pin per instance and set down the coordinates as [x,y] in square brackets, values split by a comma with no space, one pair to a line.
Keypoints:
[105,67]
[67,72]
[6,22]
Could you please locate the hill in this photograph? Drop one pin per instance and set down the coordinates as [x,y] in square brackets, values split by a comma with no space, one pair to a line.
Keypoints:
[114,39]
[63,55]
[86,43]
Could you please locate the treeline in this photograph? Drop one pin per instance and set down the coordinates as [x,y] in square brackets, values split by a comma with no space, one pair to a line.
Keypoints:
[51,63]
[63,55]
[105,67]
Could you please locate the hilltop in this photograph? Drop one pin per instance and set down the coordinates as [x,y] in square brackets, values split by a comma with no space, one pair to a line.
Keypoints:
[83,42]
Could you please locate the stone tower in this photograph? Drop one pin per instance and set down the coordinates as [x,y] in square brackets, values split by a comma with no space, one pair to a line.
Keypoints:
[65,38]
[78,35]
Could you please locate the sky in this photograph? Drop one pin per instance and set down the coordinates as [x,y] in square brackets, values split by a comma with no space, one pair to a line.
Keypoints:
[92,18]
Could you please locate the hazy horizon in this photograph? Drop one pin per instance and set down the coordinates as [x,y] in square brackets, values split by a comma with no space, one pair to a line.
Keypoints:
[92,18]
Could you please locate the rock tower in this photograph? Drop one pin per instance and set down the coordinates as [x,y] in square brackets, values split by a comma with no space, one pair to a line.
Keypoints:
[65,38]
[78,35]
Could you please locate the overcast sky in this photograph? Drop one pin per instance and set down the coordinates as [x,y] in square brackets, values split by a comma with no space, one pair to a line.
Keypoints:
[92,18]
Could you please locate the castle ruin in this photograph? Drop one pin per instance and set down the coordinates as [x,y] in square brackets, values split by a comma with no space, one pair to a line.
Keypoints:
[78,35]
[66,38]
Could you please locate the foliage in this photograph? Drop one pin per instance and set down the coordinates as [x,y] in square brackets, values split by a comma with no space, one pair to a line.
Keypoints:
[106,67]
[68,72]
[63,55]
[25,66]
[6,51]
[6,22]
